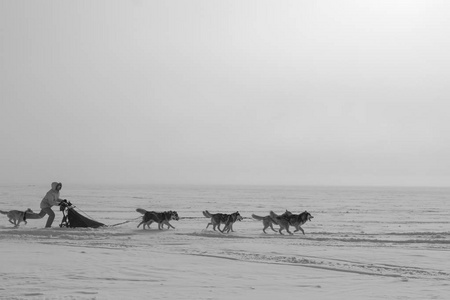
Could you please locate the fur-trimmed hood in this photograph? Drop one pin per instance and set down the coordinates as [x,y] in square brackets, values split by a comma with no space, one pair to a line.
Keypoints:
[52,197]
[55,184]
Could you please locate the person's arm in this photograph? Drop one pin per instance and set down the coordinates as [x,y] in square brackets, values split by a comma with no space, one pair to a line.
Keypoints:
[56,200]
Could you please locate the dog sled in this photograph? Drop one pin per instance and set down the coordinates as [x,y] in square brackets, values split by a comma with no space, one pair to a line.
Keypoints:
[73,219]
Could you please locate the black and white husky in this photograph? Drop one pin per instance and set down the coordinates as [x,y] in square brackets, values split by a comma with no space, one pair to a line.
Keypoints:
[268,221]
[226,219]
[292,220]
[158,217]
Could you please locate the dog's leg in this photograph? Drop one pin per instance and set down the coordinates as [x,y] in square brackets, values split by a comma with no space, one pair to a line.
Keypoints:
[230,226]
[271,226]
[287,229]
[265,226]
[284,225]
[227,228]
[14,223]
[141,224]
[299,228]
[148,223]
[208,225]
[169,225]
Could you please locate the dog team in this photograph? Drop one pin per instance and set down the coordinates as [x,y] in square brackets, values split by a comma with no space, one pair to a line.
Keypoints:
[284,220]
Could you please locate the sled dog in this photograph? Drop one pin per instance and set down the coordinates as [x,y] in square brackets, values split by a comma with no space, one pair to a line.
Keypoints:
[268,221]
[232,218]
[159,217]
[16,216]
[292,220]
[219,218]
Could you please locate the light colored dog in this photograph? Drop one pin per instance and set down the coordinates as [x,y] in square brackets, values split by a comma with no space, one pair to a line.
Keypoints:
[16,216]
[268,221]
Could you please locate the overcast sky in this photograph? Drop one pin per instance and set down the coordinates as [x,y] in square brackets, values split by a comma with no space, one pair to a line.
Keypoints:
[225,92]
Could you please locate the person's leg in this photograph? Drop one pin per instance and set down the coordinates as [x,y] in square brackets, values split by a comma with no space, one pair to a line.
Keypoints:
[51,216]
[40,215]
[45,211]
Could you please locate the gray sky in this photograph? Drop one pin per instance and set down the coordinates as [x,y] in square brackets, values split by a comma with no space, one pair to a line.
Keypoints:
[225,92]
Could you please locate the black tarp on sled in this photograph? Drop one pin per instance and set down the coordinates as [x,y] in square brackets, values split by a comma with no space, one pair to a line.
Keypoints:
[73,219]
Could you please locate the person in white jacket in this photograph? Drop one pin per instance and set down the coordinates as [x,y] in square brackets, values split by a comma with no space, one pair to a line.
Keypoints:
[50,199]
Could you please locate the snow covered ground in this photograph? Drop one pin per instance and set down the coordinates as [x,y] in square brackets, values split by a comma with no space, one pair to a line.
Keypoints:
[363,243]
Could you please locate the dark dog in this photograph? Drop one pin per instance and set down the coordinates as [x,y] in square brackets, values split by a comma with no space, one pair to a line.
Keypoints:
[268,221]
[232,218]
[16,216]
[292,220]
[219,218]
[158,217]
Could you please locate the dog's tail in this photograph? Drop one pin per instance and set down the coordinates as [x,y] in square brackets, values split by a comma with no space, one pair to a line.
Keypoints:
[3,212]
[259,218]
[141,210]
[207,214]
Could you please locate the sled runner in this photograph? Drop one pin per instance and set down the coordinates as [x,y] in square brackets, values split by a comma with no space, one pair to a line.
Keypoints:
[72,218]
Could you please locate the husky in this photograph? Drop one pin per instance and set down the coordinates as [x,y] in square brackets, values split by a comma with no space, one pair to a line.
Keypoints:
[232,218]
[268,221]
[17,216]
[159,217]
[292,220]
[219,218]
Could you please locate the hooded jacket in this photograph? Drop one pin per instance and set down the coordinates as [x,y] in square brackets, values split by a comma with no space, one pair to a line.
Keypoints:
[52,197]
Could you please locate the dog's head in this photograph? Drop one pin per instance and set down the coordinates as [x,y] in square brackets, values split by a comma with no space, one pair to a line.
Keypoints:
[29,211]
[308,216]
[174,215]
[238,216]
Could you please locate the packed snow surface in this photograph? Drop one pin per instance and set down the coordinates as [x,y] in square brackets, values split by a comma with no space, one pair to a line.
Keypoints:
[363,243]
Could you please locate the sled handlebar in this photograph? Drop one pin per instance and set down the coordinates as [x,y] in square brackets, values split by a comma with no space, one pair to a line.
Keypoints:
[63,204]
